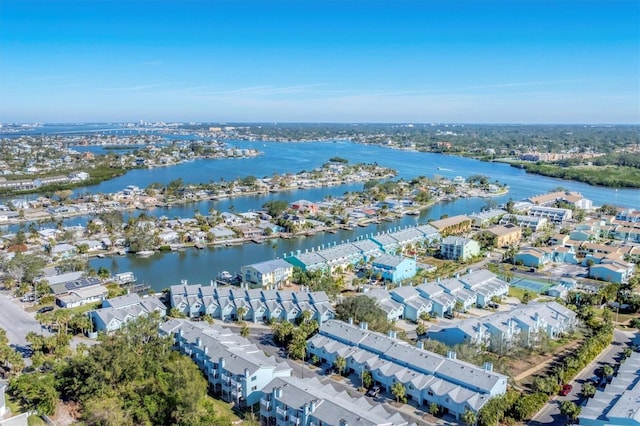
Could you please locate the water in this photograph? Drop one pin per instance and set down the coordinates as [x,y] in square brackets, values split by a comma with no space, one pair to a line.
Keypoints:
[163,270]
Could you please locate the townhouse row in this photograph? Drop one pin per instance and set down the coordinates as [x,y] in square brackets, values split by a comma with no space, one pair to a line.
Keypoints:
[233,303]
[453,385]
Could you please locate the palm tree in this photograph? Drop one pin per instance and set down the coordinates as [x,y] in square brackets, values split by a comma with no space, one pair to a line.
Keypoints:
[340,364]
[399,391]
[240,313]
[244,331]
[469,418]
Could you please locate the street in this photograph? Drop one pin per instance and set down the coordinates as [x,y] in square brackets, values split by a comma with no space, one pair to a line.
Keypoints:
[550,415]
[17,322]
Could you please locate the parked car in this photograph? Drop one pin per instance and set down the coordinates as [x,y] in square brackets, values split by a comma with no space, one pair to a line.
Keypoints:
[330,370]
[45,309]
[374,391]
[566,389]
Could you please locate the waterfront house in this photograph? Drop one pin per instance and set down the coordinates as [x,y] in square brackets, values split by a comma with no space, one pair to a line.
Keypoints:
[236,369]
[63,251]
[269,274]
[459,248]
[487,217]
[552,214]
[393,268]
[454,385]
[452,225]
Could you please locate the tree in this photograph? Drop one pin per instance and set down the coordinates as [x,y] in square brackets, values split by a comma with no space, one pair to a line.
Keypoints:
[367,379]
[244,331]
[434,409]
[399,391]
[588,390]
[527,296]
[469,418]
[570,410]
[340,364]
[363,309]
[275,208]
[240,313]
[35,391]
[607,371]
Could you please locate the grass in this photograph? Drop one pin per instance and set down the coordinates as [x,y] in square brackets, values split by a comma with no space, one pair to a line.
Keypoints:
[35,420]
[516,292]
[224,408]
[85,308]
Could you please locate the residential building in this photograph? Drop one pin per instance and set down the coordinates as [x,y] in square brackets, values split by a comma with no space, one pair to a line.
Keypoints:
[118,311]
[414,303]
[552,214]
[236,369]
[442,303]
[485,284]
[459,248]
[486,218]
[618,403]
[270,274]
[500,331]
[612,269]
[393,268]
[534,257]
[393,309]
[506,235]
[307,402]
[454,385]
[531,222]
[452,225]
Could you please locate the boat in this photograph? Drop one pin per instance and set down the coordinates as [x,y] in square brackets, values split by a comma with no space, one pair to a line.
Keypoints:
[224,276]
[413,212]
[145,253]
[444,169]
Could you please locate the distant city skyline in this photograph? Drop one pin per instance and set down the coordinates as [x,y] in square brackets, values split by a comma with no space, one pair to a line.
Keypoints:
[482,61]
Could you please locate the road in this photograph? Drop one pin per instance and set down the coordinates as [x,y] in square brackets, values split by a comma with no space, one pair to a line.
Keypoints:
[17,322]
[550,415]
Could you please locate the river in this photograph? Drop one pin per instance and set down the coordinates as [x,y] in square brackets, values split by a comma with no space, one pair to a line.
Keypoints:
[200,266]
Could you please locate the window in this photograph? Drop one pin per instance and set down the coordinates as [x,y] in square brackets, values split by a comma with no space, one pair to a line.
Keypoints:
[254,388]
[253,379]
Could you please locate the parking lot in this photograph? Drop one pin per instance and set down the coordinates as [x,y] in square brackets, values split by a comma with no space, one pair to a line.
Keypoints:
[17,322]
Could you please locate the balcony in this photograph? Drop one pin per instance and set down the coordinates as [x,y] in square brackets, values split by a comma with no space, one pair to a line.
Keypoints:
[265,405]
[280,412]
[293,420]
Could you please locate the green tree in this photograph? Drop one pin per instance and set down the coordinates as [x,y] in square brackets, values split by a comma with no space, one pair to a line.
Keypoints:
[340,364]
[367,379]
[399,391]
[434,409]
[469,418]
[570,410]
[363,309]
[35,391]
[588,390]
[244,330]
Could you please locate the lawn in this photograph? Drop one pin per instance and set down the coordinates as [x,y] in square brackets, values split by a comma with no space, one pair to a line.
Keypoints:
[516,292]
[224,408]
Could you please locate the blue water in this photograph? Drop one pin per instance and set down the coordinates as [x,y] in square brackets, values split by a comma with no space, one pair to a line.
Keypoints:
[163,270]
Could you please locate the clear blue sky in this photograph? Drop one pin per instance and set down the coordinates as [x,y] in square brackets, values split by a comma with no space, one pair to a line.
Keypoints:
[512,61]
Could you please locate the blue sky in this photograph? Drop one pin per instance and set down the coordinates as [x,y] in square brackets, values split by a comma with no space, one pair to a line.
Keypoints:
[477,61]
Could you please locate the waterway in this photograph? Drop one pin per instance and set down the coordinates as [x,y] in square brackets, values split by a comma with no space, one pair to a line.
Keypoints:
[200,266]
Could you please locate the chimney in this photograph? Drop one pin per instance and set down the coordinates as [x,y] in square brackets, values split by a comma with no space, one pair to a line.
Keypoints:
[221,363]
[488,366]
[312,405]
[451,355]
[198,342]
[246,373]
[343,422]
[350,320]
[277,393]
[420,344]
[206,350]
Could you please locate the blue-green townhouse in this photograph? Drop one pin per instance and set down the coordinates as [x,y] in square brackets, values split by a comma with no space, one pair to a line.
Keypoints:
[394,268]
[454,385]
[393,309]
[485,284]
[307,402]
[236,369]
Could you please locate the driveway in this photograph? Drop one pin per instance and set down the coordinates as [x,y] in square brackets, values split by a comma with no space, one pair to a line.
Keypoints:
[17,322]
[550,415]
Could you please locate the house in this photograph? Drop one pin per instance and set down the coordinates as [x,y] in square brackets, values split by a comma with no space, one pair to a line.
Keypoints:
[531,222]
[506,235]
[236,369]
[454,385]
[442,303]
[552,214]
[308,402]
[452,225]
[414,303]
[459,248]
[485,218]
[270,274]
[612,270]
[393,268]
[118,311]
[304,206]
[522,325]
[63,251]
[393,309]
[485,284]
[81,295]
[534,257]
